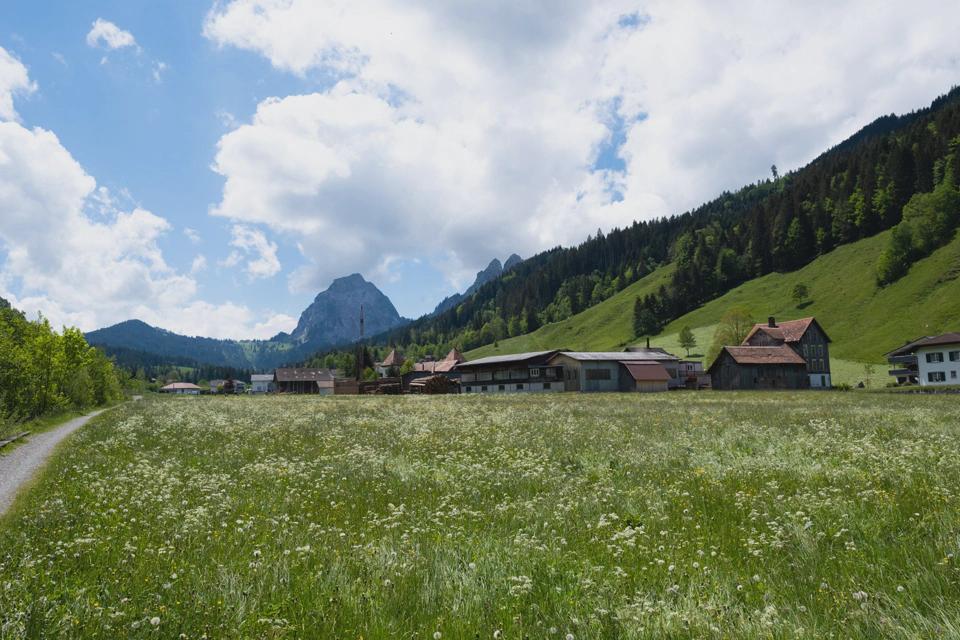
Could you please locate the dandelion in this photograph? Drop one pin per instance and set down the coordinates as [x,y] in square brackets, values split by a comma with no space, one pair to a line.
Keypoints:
[756,578]
[900,588]
[553,630]
[436,636]
[569,636]
[256,553]
[739,587]
[497,634]
[387,583]
[671,567]
[155,621]
[472,565]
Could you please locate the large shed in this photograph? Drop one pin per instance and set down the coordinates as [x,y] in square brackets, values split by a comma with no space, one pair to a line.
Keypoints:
[759,368]
[645,370]
[304,381]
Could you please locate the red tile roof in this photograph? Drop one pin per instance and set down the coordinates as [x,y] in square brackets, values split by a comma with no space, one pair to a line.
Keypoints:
[788,331]
[442,366]
[455,355]
[765,355]
[393,360]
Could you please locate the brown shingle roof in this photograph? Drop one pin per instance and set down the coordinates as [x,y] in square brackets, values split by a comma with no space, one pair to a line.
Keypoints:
[443,366]
[455,355]
[393,360]
[646,371]
[764,355]
[788,331]
[305,375]
[180,385]
[946,338]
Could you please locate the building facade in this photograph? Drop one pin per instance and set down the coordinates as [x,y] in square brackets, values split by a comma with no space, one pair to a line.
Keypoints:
[610,371]
[520,373]
[938,361]
[807,339]
[304,381]
[262,383]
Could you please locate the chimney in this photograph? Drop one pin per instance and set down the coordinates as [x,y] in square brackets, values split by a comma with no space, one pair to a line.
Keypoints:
[772,322]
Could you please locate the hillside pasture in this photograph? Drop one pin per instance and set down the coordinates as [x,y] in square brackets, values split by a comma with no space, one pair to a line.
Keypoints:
[682,515]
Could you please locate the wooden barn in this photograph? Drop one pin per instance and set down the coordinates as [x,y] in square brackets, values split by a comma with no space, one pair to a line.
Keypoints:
[304,381]
[749,368]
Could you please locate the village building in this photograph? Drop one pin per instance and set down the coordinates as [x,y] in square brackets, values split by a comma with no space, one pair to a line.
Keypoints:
[519,373]
[181,389]
[304,381]
[262,383]
[430,367]
[639,369]
[927,361]
[692,376]
[806,337]
[749,367]
[239,386]
[394,359]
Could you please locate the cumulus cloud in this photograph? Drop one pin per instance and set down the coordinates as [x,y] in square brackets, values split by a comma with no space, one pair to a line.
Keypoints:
[109,36]
[14,80]
[192,235]
[199,265]
[71,251]
[254,242]
[475,129]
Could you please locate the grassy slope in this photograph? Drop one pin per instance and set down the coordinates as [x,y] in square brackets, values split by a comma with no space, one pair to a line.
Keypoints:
[863,320]
[607,326]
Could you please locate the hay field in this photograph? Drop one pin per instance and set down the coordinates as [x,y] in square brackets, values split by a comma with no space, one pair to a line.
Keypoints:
[710,515]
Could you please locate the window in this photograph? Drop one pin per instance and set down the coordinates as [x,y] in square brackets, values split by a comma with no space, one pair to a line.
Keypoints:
[804,351]
[546,385]
[518,374]
[549,372]
[483,377]
[822,366]
[598,374]
[953,375]
[820,350]
[469,377]
[483,388]
[935,357]
[534,373]
[519,386]
[468,389]
[503,387]
[501,375]
[937,376]
[955,356]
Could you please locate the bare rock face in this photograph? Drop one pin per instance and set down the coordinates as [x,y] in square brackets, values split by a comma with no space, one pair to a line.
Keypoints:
[493,271]
[334,316]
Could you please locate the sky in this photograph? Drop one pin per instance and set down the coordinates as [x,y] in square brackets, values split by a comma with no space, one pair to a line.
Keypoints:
[209,167]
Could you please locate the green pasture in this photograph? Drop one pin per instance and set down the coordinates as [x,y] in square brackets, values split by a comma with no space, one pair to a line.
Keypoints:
[680,515]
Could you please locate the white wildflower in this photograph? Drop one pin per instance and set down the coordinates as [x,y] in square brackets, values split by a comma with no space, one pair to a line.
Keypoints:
[155,621]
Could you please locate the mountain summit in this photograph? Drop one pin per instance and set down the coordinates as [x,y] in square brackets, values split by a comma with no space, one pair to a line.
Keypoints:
[493,271]
[334,316]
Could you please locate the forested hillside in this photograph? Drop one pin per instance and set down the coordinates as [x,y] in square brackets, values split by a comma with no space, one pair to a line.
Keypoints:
[851,192]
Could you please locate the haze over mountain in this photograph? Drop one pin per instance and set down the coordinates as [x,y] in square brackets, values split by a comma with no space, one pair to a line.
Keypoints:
[493,270]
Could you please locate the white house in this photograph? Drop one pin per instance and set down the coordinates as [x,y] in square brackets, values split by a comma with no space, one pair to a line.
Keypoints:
[938,360]
[262,383]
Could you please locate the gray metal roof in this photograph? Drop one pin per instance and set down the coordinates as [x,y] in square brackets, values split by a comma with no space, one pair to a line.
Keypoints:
[266,377]
[618,356]
[514,358]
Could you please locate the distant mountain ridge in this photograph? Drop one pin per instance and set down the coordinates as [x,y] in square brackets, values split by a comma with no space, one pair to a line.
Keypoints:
[494,270]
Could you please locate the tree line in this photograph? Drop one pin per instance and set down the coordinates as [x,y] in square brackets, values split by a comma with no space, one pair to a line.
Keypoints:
[44,372]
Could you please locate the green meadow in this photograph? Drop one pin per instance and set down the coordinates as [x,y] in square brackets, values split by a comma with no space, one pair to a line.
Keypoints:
[682,515]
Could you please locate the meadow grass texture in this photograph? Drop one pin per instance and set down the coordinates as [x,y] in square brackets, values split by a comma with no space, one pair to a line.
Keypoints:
[681,515]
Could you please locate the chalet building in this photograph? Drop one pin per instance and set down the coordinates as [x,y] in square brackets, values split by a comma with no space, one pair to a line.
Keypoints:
[643,370]
[430,367]
[262,383]
[520,373]
[393,360]
[807,339]
[181,389]
[927,361]
[748,367]
[304,381]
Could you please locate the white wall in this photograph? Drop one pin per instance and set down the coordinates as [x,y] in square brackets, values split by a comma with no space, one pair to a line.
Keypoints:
[950,369]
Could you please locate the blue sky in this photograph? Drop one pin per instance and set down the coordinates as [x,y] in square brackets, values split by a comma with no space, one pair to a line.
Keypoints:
[211,168]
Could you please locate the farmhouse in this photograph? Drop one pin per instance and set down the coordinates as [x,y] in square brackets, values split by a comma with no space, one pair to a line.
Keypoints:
[181,389]
[643,370]
[394,360]
[759,368]
[938,360]
[431,367]
[520,373]
[806,337]
[304,381]
[262,383]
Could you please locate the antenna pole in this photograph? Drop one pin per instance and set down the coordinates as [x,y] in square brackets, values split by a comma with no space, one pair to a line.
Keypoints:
[360,349]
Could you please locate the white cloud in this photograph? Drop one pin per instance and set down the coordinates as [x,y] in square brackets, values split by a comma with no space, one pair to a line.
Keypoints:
[158,69]
[252,241]
[192,235]
[71,251]
[474,129]
[112,36]
[14,80]
[199,265]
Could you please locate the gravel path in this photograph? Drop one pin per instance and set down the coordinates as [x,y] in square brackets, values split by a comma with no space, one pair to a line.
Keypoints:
[19,465]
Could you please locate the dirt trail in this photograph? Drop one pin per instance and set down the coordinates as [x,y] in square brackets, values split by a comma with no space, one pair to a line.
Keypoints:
[19,465]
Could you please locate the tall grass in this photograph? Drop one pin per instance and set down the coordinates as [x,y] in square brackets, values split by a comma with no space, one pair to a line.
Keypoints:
[612,516]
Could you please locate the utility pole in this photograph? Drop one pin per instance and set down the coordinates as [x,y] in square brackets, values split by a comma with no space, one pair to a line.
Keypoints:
[360,349]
